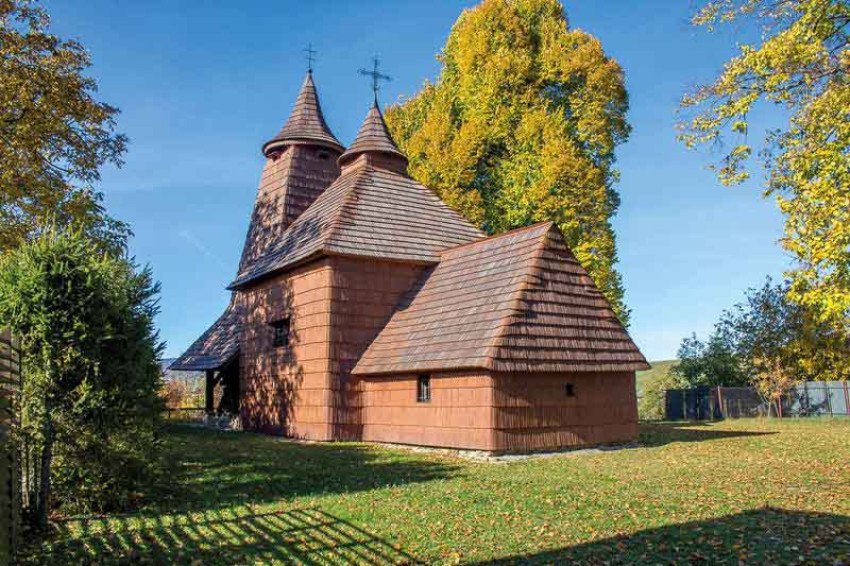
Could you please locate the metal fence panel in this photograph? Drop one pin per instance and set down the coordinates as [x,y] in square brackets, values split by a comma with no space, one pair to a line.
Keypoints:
[813,398]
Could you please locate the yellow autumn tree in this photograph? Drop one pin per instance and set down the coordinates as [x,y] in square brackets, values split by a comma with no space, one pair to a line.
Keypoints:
[521,127]
[800,63]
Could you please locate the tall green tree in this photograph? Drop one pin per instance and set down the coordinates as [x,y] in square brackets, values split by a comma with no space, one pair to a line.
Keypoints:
[800,63]
[90,397]
[766,341]
[521,126]
[54,134]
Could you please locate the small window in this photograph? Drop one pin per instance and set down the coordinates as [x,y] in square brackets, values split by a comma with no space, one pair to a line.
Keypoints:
[423,389]
[569,390]
[324,155]
[280,328]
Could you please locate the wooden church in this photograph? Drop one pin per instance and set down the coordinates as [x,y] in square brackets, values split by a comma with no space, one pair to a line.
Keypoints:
[364,308]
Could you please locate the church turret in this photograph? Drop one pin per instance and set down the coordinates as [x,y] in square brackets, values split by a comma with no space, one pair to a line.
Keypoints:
[306,123]
[301,162]
[375,143]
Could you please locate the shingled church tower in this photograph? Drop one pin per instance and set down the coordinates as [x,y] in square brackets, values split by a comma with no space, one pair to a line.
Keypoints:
[301,161]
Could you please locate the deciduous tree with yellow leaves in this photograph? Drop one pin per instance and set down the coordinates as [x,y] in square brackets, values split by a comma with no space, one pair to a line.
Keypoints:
[800,63]
[521,126]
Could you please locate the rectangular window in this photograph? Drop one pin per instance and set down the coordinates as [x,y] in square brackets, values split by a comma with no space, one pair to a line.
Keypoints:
[423,389]
[280,329]
[569,390]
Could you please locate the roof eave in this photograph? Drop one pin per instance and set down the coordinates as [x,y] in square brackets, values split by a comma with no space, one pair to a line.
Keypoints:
[203,366]
[283,142]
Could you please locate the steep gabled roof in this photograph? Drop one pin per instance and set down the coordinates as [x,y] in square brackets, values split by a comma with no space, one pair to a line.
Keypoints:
[368,212]
[217,346]
[306,123]
[515,302]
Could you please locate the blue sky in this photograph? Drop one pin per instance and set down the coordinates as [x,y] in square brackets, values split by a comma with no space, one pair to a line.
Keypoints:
[202,85]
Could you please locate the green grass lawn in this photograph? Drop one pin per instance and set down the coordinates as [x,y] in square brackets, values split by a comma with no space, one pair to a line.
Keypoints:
[756,491]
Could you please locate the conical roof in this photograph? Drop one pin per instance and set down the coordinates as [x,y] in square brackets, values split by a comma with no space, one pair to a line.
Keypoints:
[306,122]
[372,137]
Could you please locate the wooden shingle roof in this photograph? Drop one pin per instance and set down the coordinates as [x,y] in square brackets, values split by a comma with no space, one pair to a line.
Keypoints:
[371,212]
[373,137]
[515,302]
[216,347]
[306,123]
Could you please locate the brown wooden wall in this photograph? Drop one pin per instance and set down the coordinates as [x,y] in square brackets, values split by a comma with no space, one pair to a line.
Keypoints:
[336,306]
[286,390]
[459,414]
[291,180]
[501,412]
[533,412]
[365,293]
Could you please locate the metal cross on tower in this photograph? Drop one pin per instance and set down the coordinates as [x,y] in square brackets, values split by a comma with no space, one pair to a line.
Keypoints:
[311,56]
[376,76]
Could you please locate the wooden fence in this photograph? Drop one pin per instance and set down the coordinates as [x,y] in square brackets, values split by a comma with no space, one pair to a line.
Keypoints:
[10,504]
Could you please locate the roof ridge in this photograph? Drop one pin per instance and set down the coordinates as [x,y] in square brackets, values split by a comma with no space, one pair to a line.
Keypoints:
[497,342]
[497,236]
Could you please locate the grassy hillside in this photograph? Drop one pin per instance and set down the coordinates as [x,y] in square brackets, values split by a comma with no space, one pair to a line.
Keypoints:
[660,367]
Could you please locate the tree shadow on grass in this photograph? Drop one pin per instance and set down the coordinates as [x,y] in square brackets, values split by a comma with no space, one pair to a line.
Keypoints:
[234,536]
[762,536]
[658,434]
[209,469]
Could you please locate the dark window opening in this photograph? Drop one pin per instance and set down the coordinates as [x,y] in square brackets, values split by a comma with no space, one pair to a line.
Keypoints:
[280,329]
[569,390]
[324,155]
[423,389]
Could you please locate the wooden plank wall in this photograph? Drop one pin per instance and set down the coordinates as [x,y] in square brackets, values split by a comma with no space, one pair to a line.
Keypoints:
[289,183]
[286,390]
[459,414]
[533,411]
[364,296]
[9,480]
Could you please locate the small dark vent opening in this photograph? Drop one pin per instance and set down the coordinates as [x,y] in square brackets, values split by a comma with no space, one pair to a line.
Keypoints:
[423,389]
[280,332]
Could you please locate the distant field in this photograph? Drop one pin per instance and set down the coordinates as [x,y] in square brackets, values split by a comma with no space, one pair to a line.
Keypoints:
[660,367]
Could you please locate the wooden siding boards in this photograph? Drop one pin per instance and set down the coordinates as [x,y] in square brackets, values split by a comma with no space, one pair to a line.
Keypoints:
[531,411]
[215,347]
[286,390]
[367,212]
[515,302]
[291,181]
[459,414]
[364,295]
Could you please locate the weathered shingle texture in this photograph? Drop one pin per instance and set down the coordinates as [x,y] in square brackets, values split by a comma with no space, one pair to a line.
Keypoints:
[368,212]
[306,123]
[372,137]
[217,346]
[515,302]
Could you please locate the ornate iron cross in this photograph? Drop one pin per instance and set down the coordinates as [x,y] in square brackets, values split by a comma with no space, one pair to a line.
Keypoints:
[376,75]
